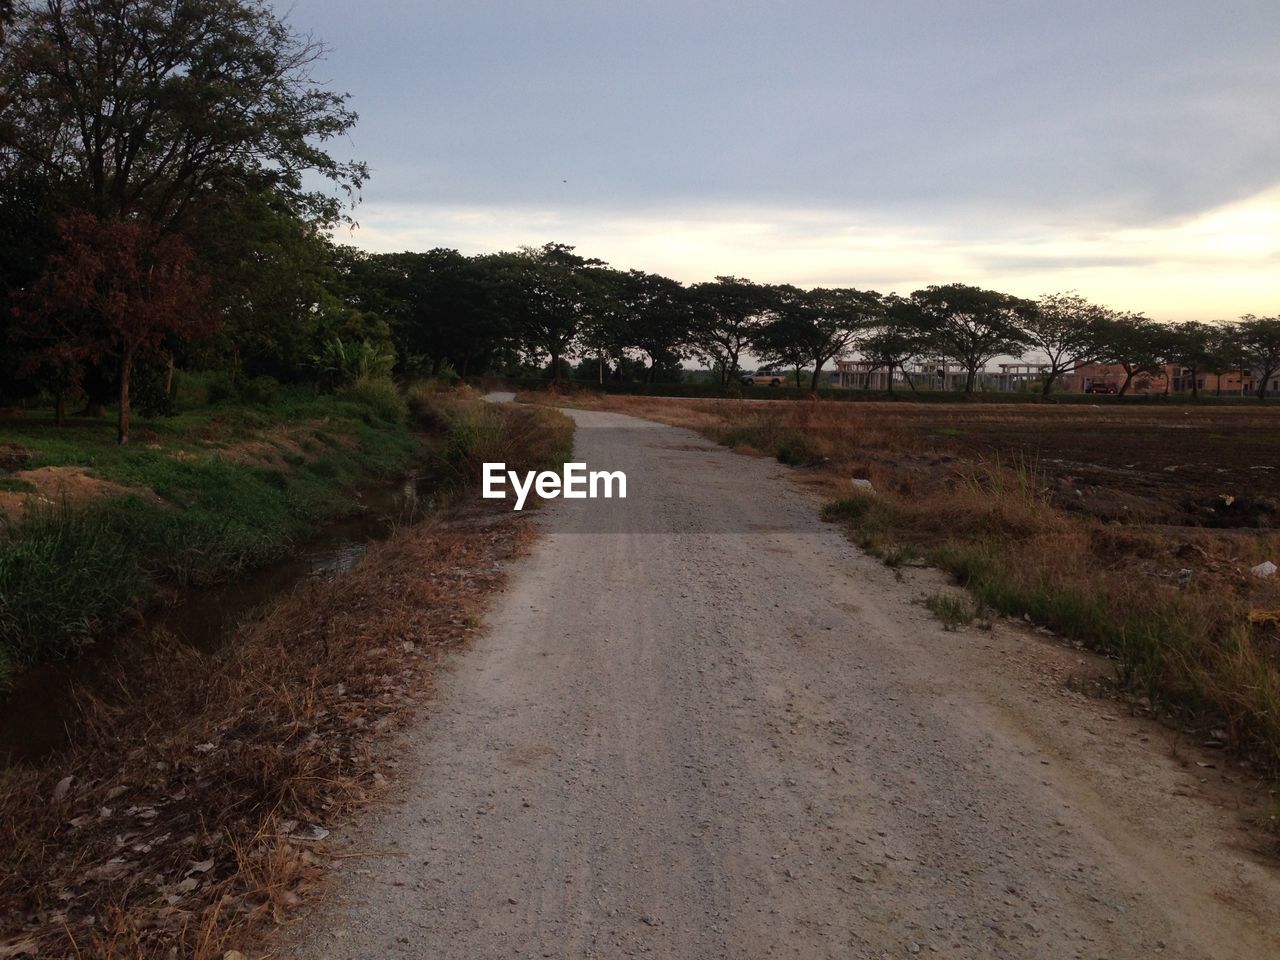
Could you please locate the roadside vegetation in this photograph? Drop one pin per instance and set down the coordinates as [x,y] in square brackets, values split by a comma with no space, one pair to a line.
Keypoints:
[90,529]
[189,812]
[1143,554]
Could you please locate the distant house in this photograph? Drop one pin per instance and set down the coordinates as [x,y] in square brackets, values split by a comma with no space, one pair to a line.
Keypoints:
[1171,378]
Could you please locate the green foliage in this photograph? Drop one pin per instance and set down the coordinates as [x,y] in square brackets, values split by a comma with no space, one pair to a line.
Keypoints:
[229,99]
[795,449]
[954,612]
[341,363]
[523,437]
[969,325]
[847,510]
[380,395]
[67,575]
[260,390]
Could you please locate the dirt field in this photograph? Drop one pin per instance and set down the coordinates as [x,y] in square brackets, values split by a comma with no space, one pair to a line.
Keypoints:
[1168,465]
[1163,465]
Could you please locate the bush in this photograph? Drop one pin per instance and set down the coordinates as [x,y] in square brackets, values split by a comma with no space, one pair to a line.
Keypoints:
[65,575]
[795,450]
[220,388]
[260,390]
[380,396]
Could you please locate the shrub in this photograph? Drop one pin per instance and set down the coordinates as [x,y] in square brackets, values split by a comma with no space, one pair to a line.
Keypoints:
[379,396]
[220,389]
[260,390]
[795,450]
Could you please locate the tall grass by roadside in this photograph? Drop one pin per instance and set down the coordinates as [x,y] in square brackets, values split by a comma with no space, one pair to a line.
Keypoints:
[475,432]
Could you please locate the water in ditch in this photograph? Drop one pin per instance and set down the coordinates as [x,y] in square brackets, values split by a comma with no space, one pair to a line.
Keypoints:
[38,715]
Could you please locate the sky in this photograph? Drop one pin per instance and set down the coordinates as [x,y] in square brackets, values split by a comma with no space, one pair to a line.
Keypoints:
[1128,150]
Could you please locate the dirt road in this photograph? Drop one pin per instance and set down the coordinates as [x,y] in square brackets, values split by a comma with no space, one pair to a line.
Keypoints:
[702,724]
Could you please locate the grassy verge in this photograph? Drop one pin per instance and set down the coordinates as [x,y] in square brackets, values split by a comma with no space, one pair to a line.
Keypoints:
[93,528]
[523,437]
[190,814]
[1191,631]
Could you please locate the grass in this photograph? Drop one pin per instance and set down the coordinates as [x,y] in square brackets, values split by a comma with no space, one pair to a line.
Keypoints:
[199,497]
[214,760]
[990,493]
[209,762]
[474,433]
[954,612]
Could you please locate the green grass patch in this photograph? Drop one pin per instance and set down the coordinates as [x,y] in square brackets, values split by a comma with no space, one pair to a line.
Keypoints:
[954,612]
[68,575]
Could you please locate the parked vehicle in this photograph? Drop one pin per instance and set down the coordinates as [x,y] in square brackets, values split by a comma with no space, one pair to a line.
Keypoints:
[763,379]
[1103,386]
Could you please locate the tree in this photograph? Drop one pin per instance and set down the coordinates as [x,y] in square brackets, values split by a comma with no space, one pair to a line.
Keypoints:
[813,326]
[28,234]
[1065,328]
[728,314]
[1194,346]
[119,288]
[1259,339]
[971,326]
[439,303]
[892,343]
[654,315]
[550,294]
[282,289]
[150,108]
[1131,341]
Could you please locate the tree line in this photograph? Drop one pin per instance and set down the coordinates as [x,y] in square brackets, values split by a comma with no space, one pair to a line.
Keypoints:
[159,208]
[549,304]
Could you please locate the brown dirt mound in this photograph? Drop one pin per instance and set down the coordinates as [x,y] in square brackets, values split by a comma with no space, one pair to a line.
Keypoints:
[55,485]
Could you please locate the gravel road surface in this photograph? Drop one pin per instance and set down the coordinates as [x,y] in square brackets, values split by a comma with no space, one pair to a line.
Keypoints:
[700,723]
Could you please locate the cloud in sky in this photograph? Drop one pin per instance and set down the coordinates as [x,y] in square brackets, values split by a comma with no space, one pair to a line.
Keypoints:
[1131,150]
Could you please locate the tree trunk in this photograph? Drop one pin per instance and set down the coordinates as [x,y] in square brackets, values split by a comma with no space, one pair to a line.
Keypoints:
[1051,376]
[813,383]
[555,367]
[122,421]
[1128,378]
[1195,385]
[60,409]
[168,379]
[971,375]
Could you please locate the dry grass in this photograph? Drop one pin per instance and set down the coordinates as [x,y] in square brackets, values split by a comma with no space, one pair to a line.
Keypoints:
[192,808]
[1191,631]
[193,795]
